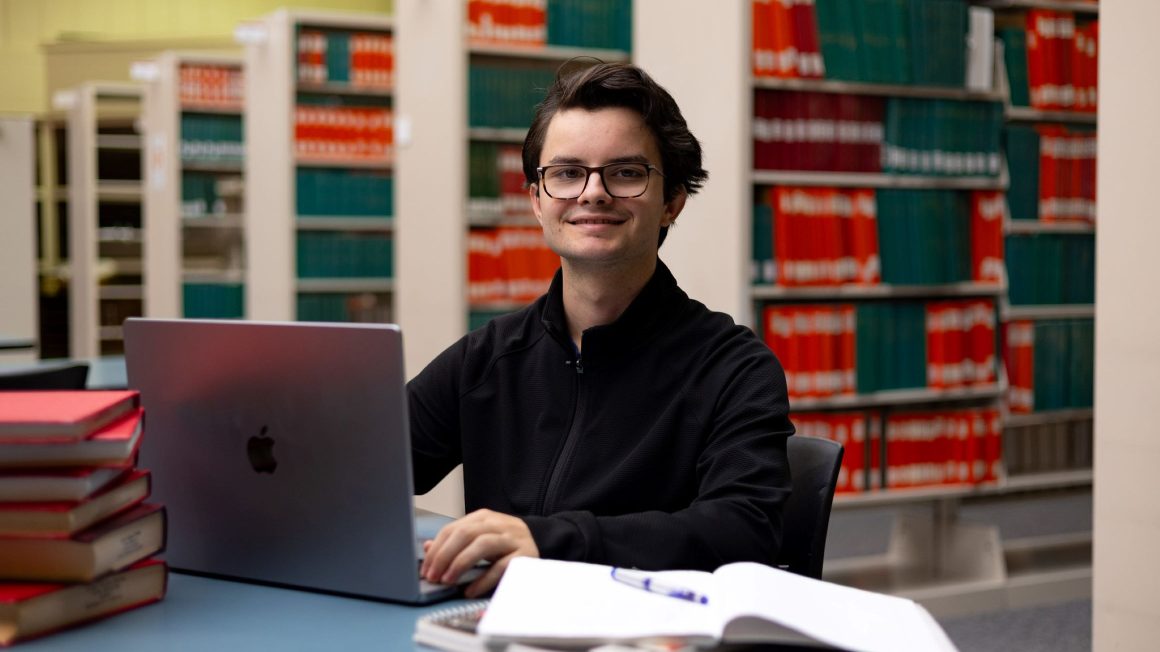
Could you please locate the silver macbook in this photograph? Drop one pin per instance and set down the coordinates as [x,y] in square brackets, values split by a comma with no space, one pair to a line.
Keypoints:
[282,453]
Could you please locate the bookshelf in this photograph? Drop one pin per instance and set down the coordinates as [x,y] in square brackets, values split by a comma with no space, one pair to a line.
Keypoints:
[193,193]
[509,65]
[1049,314]
[319,121]
[105,229]
[17,262]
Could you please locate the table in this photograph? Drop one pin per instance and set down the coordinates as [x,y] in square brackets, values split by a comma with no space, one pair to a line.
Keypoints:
[209,614]
[106,372]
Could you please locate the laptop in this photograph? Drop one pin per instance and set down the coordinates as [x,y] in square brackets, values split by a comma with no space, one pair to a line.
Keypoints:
[282,453]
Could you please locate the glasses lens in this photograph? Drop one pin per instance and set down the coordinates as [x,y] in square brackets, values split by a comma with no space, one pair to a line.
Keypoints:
[622,180]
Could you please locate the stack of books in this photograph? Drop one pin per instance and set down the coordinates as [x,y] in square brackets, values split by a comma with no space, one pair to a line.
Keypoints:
[76,534]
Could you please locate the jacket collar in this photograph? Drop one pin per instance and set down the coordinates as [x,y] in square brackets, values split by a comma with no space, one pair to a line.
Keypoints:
[655,305]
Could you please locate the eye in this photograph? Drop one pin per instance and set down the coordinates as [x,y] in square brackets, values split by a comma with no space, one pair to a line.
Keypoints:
[632,171]
[566,172]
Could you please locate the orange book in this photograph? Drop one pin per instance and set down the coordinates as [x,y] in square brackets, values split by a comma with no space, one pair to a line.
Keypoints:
[53,415]
[113,445]
[762,36]
[785,53]
[64,518]
[29,610]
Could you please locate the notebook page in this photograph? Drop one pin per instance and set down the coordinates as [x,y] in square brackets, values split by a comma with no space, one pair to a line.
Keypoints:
[544,600]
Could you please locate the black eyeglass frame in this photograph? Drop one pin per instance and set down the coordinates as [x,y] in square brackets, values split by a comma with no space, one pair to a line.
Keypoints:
[649,168]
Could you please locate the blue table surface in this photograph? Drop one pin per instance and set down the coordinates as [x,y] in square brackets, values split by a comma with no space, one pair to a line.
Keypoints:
[208,614]
[106,372]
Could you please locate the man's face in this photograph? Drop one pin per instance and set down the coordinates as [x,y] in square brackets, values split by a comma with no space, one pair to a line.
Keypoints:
[597,227]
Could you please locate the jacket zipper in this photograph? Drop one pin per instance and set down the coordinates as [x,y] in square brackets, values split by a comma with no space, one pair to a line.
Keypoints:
[569,443]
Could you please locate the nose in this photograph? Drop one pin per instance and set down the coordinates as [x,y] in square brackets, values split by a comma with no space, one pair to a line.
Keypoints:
[594,191]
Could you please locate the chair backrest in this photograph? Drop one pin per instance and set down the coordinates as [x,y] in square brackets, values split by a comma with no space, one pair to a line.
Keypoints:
[814,464]
[64,376]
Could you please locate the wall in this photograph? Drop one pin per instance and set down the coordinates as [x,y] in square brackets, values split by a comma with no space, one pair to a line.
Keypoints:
[26,26]
[1126,595]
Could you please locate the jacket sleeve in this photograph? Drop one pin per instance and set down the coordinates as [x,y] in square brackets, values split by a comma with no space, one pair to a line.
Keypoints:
[433,410]
[743,481]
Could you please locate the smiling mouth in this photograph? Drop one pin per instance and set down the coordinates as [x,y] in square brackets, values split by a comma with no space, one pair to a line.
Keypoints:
[596,220]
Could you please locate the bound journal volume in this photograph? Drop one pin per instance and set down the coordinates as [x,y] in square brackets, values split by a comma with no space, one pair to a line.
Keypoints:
[546,602]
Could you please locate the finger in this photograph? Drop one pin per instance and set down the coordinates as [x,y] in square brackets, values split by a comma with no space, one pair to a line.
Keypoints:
[449,544]
[487,546]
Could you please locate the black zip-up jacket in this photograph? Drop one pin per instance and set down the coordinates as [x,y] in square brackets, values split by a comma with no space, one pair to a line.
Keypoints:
[662,446]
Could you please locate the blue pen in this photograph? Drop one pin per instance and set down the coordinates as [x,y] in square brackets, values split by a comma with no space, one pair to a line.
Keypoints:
[647,583]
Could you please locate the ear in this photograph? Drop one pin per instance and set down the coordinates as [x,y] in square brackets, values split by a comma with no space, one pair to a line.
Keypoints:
[534,196]
[674,207]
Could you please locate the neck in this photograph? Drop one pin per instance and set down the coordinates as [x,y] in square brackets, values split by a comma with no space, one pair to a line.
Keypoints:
[599,297]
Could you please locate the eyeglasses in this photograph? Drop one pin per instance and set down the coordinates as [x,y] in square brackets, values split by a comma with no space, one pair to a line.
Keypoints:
[621,180]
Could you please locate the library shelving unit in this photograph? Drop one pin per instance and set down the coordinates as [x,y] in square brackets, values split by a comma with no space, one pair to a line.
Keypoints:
[105,229]
[319,169]
[51,227]
[512,57]
[18,324]
[193,199]
[1048,314]
[951,566]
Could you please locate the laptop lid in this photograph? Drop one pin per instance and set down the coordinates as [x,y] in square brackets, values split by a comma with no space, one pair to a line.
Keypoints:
[282,452]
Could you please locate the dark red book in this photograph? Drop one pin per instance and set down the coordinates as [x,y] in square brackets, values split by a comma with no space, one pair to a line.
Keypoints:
[28,485]
[61,414]
[31,610]
[108,546]
[64,518]
[113,445]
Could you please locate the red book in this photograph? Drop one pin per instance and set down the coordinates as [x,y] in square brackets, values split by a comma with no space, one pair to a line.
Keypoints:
[113,445]
[1037,55]
[1062,50]
[988,211]
[784,50]
[810,62]
[28,485]
[29,610]
[936,355]
[762,38]
[1048,172]
[847,354]
[108,546]
[64,518]
[60,414]
[781,338]
[1093,48]
[982,341]
[994,446]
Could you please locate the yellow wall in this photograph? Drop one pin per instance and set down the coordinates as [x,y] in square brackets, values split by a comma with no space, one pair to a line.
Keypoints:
[28,26]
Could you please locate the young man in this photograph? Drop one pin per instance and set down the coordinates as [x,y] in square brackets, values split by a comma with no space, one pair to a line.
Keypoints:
[614,420]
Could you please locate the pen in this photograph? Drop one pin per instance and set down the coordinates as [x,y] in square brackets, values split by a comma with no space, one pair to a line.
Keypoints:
[647,583]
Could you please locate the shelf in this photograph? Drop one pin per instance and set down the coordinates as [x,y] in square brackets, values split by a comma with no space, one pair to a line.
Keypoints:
[346,285]
[119,235]
[1048,480]
[126,292]
[342,88]
[547,52]
[224,221]
[512,135]
[897,397]
[876,180]
[211,108]
[1047,417]
[122,142]
[216,277]
[1062,311]
[1028,114]
[344,163]
[125,266]
[317,223]
[206,165]
[1030,227]
[878,291]
[1025,482]
[119,191]
[110,333]
[1055,5]
[887,90]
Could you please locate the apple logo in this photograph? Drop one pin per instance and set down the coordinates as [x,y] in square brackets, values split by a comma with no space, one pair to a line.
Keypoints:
[260,450]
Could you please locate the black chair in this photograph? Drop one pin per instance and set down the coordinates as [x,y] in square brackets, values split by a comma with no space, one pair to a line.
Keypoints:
[63,376]
[814,464]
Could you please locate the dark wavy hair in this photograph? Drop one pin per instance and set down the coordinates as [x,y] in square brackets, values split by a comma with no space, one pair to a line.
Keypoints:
[622,85]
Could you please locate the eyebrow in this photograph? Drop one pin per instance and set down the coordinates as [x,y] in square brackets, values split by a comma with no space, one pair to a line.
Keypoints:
[572,160]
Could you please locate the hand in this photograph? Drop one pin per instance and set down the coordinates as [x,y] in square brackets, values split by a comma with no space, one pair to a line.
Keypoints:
[481,535]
